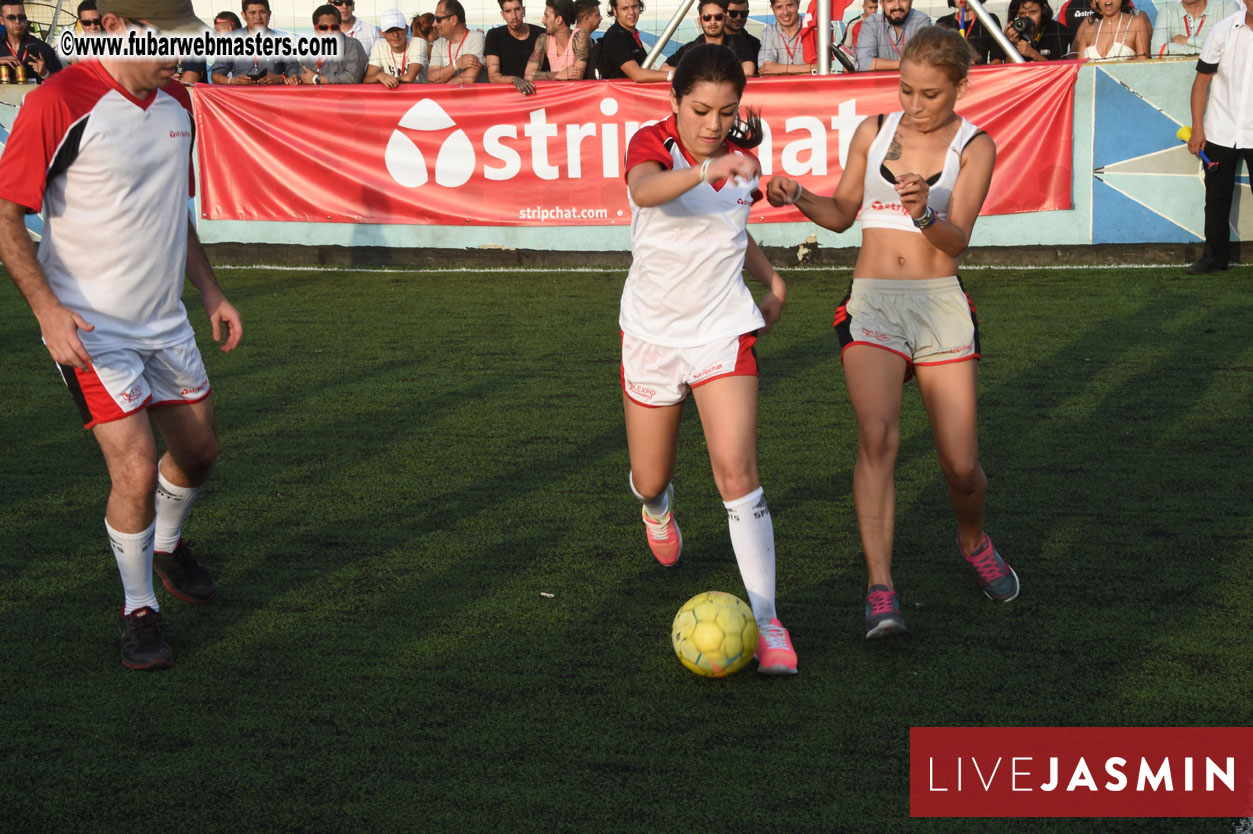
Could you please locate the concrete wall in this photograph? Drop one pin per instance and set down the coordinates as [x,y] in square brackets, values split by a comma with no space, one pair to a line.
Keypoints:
[1134,183]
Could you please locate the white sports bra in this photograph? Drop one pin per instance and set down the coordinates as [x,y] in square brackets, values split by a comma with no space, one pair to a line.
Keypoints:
[881,206]
[1118,50]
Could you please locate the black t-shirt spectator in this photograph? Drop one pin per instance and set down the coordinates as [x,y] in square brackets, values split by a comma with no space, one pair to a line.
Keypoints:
[593,59]
[30,48]
[616,48]
[986,49]
[735,43]
[188,65]
[754,46]
[513,53]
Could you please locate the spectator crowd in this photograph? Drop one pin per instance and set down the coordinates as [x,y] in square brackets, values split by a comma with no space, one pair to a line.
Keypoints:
[440,47]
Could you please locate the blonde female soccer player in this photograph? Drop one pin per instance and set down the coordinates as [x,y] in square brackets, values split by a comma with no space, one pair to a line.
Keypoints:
[906,313]
[689,323]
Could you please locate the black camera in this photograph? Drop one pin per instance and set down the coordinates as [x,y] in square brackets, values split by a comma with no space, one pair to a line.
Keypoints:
[1023,26]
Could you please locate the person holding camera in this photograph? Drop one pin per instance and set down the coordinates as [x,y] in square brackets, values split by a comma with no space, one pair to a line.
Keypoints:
[972,29]
[1032,29]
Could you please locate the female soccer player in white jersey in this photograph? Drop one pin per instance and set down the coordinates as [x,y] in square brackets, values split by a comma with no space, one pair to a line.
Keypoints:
[907,313]
[689,323]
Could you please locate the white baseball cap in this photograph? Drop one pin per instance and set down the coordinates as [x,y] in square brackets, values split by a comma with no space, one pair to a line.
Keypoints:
[392,19]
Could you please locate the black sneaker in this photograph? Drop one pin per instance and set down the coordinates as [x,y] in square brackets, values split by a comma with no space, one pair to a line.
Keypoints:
[183,576]
[143,640]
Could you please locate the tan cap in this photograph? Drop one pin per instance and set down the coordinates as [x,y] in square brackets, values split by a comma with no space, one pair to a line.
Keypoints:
[165,15]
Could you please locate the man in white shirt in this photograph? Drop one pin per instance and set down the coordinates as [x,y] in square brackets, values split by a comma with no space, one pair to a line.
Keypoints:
[397,58]
[353,26]
[457,57]
[1222,126]
[103,152]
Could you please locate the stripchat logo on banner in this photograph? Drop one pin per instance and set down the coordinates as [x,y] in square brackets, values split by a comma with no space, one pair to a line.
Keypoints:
[454,164]
[1081,771]
[484,155]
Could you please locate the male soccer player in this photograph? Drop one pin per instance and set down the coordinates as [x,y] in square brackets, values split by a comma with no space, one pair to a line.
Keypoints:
[104,149]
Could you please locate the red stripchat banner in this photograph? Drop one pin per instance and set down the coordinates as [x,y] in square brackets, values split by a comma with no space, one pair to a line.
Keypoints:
[486,155]
[1081,771]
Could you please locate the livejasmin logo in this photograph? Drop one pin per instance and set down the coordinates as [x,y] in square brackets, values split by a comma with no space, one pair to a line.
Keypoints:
[1023,774]
[1080,771]
[804,154]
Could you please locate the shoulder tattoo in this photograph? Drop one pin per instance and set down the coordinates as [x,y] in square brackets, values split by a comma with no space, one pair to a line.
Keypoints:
[894,150]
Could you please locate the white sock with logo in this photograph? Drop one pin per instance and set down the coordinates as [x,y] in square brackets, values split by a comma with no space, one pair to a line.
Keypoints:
[656,507]
[752,538]
[133,552]
[173,504]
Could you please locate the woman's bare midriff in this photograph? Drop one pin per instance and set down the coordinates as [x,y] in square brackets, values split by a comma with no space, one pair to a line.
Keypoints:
[889,253]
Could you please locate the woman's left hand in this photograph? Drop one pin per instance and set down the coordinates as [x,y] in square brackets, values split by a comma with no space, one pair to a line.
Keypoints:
[771,305]
[913,191]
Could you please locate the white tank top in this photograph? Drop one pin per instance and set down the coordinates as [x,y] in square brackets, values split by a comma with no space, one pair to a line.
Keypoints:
[881,206]
[1118,49]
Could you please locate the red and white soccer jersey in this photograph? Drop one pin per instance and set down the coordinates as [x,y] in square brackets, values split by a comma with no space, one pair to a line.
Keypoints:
[111,175]
[686,287]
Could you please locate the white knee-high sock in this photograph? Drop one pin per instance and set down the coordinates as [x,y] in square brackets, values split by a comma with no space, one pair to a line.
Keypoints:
[133,552]
[752,537]
[656,507]
[173,505]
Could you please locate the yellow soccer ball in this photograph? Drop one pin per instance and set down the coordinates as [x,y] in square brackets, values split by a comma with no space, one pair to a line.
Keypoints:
[714,634]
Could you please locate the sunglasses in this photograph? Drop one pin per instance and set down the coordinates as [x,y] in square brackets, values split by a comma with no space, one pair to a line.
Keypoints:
[741,13]
[20,18]
[327,27]
[708,17]
[343,2]
[90,22]
[441,18]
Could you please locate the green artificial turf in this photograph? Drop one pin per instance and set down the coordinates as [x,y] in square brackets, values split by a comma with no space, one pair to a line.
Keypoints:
[437,612]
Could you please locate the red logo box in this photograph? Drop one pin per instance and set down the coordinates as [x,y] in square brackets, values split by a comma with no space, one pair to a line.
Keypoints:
[1081,771]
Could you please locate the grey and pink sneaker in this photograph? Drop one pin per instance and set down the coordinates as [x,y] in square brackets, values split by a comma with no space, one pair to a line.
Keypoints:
[775,655]
[883,613]
[998,580]
[664,538]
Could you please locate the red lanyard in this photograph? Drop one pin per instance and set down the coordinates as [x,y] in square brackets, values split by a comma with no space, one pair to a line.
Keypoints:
[452,56]
[404,57]
[1187,22]
[896,44]
[791,50]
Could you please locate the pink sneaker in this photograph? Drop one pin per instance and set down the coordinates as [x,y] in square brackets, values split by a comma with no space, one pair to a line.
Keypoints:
[775,655]
[664,538]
